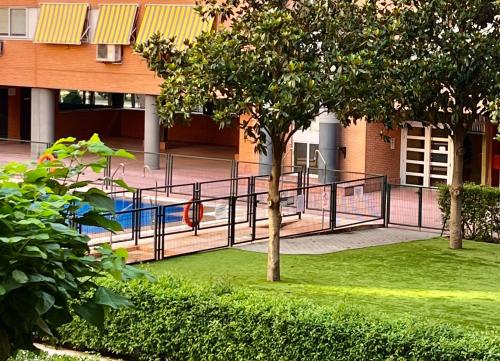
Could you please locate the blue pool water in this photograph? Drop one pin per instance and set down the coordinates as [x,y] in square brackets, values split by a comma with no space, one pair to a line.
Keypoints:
[125,215]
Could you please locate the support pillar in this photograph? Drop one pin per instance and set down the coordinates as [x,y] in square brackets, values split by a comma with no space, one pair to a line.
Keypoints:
[151,134]
[329,128]
[43,103]
[266,160]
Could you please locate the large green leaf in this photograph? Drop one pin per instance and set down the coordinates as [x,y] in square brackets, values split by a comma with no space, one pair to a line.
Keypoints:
[98,199]
[99,220]
[92,313]
[106,297]
[19,276]
[45,302]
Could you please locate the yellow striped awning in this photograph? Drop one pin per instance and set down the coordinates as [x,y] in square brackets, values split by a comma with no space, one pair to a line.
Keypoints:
[115,24]
[61,23]
[179,21]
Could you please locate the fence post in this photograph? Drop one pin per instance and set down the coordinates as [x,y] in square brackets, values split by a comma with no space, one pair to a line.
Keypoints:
[388,205]
[384,200]
[333,206]
[155,236]
[234,178]
[167,172]
[307,188]
[107,172]
[254,215]
[136,217]
[419,207]
[232,220]
[196,206]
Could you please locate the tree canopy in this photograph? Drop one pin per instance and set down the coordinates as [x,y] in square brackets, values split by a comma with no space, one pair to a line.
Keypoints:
[432,61]
[268,64]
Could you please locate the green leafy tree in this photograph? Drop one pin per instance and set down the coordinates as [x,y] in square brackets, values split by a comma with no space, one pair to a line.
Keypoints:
[268,65]
[434,61]
[45,265]
[72,97]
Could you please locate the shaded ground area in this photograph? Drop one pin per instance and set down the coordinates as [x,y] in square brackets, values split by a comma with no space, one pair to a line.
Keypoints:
[423,279]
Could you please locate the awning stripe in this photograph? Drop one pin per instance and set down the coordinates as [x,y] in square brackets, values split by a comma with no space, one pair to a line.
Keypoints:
[115,24]
[178,21]
[61,23]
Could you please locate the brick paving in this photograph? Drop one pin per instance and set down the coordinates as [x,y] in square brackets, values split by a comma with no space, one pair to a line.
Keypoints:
[321,244]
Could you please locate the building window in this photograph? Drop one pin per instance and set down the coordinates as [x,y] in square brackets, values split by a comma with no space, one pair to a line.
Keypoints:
[133,101]
[304,154]
[80,99]
[425,157]
[13,22]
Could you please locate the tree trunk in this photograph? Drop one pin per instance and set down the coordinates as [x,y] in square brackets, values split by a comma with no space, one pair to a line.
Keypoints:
[456,189]
[273,201]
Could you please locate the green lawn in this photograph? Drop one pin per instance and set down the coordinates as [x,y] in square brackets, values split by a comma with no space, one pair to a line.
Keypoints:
[421,278]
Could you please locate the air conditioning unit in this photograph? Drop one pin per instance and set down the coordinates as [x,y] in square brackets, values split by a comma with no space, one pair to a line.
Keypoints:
[109,53]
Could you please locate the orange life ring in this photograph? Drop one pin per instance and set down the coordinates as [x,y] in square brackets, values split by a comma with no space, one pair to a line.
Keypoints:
[187,208]
[46,157]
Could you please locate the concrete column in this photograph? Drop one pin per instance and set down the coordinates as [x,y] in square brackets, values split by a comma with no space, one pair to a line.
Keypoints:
[329,128]
[151,133]
[266,160]
[43,104]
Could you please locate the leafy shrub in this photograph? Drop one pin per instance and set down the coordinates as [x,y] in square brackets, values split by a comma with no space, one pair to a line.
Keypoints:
[44,260]
[175,321]
[480,211]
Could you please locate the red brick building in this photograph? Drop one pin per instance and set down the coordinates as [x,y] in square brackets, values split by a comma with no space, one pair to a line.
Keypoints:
[67,68]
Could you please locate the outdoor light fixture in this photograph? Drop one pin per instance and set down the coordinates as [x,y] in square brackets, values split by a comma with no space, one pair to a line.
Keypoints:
[343,150]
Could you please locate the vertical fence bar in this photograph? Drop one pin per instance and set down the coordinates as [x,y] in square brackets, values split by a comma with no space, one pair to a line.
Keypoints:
[254,215]
[136,197]
[196,206]
[388,206]
[234,178]
[232,220]
[383,199]
[107,173]
[333,206]
[156,239]
[170,173]
[307,188]
[420,207]
[167,172]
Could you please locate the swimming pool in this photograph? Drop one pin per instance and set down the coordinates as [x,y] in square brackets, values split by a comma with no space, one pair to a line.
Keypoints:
[125,215]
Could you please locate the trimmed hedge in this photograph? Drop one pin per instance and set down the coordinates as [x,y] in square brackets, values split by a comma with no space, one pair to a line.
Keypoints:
[43,356]
[480,211]
[175,321]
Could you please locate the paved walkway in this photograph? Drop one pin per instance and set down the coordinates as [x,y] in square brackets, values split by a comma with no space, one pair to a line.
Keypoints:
[343,241]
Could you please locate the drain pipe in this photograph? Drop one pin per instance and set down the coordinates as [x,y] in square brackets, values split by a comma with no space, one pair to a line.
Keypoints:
[266,160]
[329,132]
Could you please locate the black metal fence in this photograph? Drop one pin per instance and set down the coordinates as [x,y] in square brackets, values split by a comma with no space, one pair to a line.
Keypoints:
[156,226]
[413,206]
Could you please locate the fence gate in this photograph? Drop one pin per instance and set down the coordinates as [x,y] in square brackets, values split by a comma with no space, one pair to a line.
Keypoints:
[413,206]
